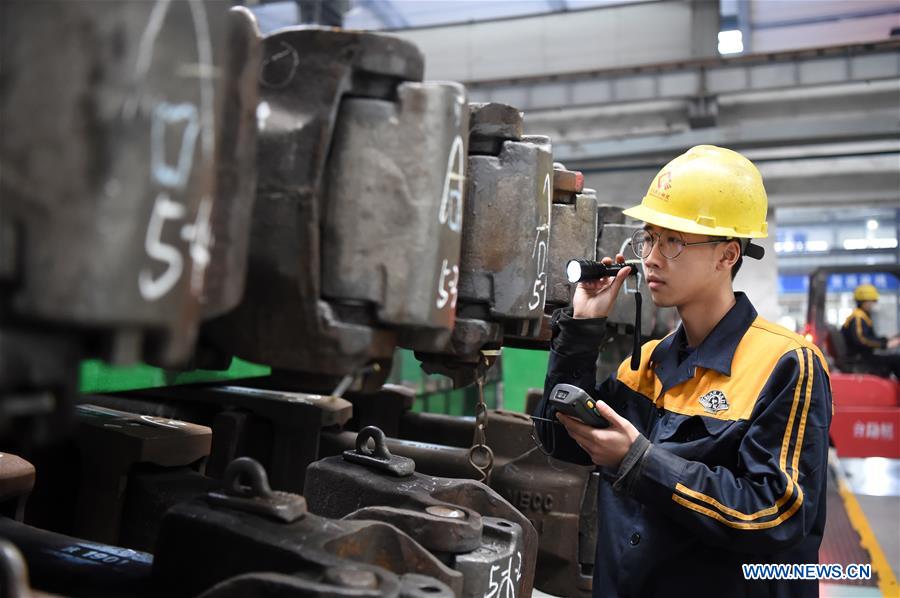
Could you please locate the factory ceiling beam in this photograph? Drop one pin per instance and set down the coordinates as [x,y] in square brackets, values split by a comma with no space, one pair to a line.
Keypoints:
[837,128]
[726,76]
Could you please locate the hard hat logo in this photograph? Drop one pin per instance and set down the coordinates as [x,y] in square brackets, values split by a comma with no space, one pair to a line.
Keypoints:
[663,184]
[708,190]
[664,181]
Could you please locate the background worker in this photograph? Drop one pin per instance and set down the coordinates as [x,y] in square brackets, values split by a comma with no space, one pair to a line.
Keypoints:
[859,334]
[716,452]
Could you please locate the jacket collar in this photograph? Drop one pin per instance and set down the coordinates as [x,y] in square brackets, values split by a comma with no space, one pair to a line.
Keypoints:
[716,352]
[860,312]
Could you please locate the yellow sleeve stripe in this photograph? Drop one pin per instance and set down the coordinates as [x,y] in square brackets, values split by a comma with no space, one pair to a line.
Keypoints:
[798,446]
[737,524]
[729,511]
[804,379]
[862,337]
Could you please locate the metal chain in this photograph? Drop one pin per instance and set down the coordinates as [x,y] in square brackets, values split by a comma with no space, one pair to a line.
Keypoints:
[481,457]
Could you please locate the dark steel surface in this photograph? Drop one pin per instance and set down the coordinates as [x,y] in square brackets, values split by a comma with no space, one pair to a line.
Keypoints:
[235,168]
[573,236]
[353,581]
[284,320]
[575,229]
[506,231]
[437,459]
[558,498]
[382,409]
[444,515]
[460,358]
[499,566]
[129,126]
[378,457]
[393,209]
[75,567]
[339,487]
[505,242]
[38,380]
[439,428]
[246,488]
[122,166]
[149,494]
[281,429]
[490,125]
[555,497]
[110,444]
[206,542]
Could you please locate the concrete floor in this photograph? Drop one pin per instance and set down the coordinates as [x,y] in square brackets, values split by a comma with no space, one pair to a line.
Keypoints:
[883,513]
[876,483]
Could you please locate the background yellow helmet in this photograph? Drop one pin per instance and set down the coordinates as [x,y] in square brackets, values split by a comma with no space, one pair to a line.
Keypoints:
[865,292]
[707,190]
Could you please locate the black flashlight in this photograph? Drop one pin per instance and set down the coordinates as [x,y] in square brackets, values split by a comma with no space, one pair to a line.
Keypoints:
[581,270]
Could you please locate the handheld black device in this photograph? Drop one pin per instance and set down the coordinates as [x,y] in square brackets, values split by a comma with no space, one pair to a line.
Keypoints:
[575,402]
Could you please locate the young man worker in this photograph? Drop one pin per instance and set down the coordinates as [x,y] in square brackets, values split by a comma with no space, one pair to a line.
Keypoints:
[717,449]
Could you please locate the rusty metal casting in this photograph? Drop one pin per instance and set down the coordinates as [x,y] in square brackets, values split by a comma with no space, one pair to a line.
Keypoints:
[393,209]
[121,172]
[235,168]
[284,318]
[131,131]
[111,443]
[575,231]
[280,429]
[378,457]
[352,581]
[558,498]
[451,517]
[574,234]
[507,227]
[256,496]
[235,532]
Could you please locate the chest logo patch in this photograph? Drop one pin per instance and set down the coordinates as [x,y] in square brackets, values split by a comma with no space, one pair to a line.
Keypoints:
[714,401]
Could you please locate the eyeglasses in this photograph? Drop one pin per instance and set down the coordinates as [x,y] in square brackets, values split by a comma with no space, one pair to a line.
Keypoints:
[670,244]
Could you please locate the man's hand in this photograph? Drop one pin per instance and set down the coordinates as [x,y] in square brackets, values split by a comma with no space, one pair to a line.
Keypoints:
[595,298]
[606,446]
[893,342]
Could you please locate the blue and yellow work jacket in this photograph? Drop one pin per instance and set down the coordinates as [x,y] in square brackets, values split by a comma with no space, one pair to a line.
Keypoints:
[731,467]
[859,334]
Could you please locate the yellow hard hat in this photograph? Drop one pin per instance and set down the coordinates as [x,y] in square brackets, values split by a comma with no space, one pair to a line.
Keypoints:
[707,190]
[865,292]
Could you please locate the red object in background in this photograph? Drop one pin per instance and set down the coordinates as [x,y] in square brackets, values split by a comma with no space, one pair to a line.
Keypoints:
[866,419]
[866,432]
[864,390]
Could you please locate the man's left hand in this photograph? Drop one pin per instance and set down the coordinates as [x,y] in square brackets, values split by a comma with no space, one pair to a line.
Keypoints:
[605,446]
